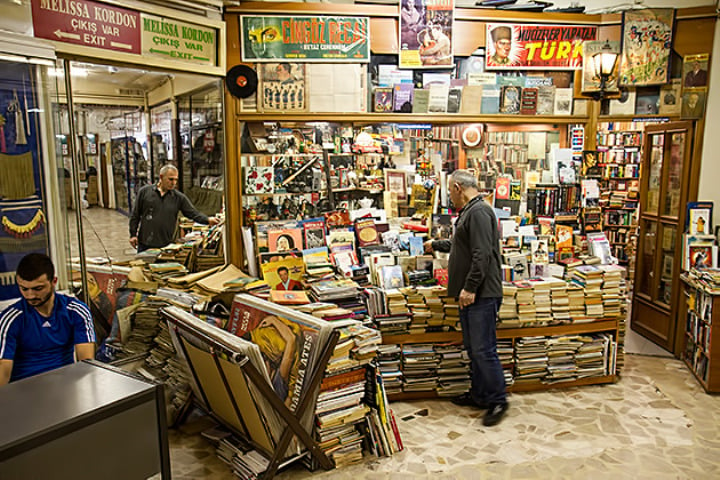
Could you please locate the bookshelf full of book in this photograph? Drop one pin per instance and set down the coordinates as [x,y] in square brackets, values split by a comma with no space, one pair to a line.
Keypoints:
[702,346]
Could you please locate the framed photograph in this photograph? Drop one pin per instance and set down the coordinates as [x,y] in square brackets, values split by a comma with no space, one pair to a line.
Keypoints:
[396,181]
[693,102]
[647,36]
[695,70]
[283,87]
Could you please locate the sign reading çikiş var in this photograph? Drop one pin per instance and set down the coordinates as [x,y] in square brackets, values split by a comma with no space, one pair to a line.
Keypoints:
[87,23]
[94,24]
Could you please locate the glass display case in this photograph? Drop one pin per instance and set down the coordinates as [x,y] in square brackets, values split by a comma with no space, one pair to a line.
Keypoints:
[664,193]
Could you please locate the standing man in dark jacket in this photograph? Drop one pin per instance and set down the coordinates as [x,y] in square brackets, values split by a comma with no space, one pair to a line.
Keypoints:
[474,277]
[156,210]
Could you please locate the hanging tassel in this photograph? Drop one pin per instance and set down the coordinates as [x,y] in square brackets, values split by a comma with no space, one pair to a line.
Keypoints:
[23,231]
[16,108]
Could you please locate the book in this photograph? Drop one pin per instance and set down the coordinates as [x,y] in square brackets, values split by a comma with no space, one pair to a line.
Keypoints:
[416,246]
[625,105]
[563,101]
[438,100]
[454,99]
[289,297]
[599,246]
[471,99]
[490,99]
[671,98]
[391,276]
[421,100]
[528,101]
[383,100]
[510,99]
[546,100]
[563,236]
[403,97]
[314,232]
[366,231]
[699,221]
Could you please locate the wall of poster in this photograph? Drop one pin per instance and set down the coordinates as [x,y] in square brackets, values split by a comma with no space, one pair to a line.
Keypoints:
[305,39]
[646,46]
[426,33]
[517,46]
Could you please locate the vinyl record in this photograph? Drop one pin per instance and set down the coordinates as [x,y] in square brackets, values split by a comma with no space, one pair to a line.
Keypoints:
[242,81]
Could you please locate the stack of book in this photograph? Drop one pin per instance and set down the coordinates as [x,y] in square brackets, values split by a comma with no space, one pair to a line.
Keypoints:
[421,314]
[333,290]
[592,357]
[560,302]
[530,359]
[505,353]
[419,364]
[576,301]
[590,277]
[612,290]
[389,367]
[561,359]
[508,316]
[393,324]
[384,436]
[524,296]
[453,370]
[432,298]
[317,264]
[162,271]
[451,314]
[396,302]
[543,304]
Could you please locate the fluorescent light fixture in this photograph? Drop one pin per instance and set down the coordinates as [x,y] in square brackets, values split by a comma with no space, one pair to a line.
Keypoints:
[74,71]
[8,57]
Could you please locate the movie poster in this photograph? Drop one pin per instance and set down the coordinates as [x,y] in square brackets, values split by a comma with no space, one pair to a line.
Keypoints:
[646,46]
[426,33]
[518,46]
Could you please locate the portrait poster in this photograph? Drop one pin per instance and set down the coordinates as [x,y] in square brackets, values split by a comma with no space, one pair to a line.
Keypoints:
[290,342]
[305,38]
[284,240]
[426,34]
[271,272]
[646,46]
[671,98]
[695,70]
[693,102]
[283,87]
[519,46]
[591,81]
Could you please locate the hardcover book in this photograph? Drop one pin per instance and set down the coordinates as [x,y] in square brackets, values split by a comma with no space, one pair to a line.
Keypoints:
[528,101]
[403,97]
[366,232]
[421,99]
[563,101]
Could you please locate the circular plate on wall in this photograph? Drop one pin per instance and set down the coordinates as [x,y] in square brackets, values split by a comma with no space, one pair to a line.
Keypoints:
[472,136]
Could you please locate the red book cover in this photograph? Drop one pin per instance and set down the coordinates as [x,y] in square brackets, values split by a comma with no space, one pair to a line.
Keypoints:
[441,275]
[502,188]
[366,232]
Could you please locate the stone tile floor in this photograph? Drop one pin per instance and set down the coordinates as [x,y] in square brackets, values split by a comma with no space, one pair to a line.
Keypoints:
[656,422]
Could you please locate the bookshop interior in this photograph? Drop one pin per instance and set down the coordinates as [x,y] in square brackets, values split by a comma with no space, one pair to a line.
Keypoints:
[299,324]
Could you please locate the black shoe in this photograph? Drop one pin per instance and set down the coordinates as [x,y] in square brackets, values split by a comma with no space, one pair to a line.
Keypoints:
[494,414]
[466,400]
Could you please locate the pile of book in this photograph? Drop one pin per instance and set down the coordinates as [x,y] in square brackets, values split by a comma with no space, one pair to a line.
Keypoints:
[380,425]
[543,304]
[596,357]
[525,299]
[505,353]
[388,359]
[421,313]
[451,314]
[613,290]
[162,271]
[531,359]
[453,370]
[561,359]
[560,302]
[433,298]
[419,364]
[576,301]
[508,313]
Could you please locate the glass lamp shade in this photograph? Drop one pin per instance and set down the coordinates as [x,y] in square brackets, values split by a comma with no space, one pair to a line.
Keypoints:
[604,61]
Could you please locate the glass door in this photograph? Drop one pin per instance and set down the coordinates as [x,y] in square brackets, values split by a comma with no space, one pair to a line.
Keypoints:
[664,193]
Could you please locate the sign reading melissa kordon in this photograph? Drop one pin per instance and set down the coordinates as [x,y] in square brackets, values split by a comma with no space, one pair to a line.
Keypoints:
[305,39]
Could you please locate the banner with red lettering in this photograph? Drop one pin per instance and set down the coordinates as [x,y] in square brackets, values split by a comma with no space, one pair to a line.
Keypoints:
[305,39]
[516,46]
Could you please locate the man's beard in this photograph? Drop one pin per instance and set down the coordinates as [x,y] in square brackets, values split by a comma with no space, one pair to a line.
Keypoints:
[39,303]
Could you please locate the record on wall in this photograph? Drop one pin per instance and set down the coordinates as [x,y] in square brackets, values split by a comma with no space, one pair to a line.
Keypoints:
[242,81]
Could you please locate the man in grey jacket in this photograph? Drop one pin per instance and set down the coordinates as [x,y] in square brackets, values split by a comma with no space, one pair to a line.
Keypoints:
[474,277]
[154,216]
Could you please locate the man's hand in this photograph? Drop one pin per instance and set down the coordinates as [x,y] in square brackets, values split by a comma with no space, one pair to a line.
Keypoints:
[134,242]
[213,221]
[466,298]
[428,246]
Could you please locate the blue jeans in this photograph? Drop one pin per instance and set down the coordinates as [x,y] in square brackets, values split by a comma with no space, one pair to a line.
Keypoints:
[478,325]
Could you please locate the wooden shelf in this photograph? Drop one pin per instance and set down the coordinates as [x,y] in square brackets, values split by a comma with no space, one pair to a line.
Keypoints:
[523,387]
[441,119]
[505,333]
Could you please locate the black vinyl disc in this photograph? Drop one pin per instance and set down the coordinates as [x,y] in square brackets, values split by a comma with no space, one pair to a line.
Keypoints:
[242,81]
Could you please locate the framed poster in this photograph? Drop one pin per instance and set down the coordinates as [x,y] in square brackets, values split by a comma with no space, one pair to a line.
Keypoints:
[283,87]
[305,38]
[396,181]
[693,102]
[646,46]
[695,70]
[425,34]
[521,46]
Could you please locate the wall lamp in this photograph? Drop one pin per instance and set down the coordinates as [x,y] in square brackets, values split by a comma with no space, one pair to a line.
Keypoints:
[603,65]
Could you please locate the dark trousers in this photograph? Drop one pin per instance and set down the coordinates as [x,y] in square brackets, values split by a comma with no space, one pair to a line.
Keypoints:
[478,325]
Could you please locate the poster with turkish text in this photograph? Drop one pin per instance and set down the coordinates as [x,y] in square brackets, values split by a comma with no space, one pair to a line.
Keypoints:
[519,46]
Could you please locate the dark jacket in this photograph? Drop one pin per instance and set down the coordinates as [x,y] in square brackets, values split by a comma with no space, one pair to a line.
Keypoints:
[475,263]
[156,216]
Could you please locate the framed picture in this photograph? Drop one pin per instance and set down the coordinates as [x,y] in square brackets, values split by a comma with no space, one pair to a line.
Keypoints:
[396,181]
[647,36]
[283,87]
[695,70]
[693,102]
